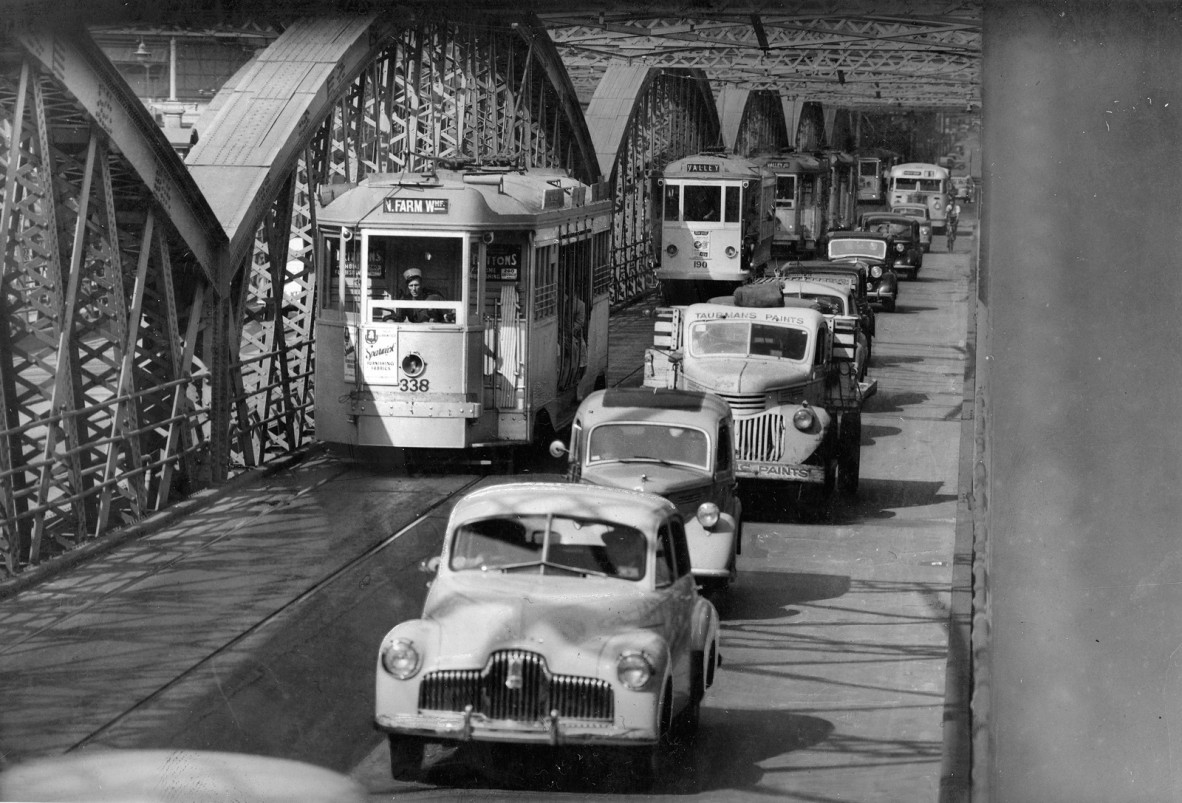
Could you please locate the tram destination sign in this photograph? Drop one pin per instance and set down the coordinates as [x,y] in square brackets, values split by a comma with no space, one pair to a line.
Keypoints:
[701,167]
[415,206]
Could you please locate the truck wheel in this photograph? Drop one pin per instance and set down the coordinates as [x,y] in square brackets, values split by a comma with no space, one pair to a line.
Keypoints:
[849,454]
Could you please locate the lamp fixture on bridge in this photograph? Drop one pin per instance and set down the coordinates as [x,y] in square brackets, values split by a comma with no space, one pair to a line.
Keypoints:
[142,54]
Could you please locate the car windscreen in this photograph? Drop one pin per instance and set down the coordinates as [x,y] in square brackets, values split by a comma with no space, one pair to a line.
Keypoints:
[643,442]
[853,247]
[741,338]
[550,544]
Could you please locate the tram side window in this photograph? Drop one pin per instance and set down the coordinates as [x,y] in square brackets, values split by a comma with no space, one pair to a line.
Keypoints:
[808,188]
[672,202]
[546,288]
[703,203]
[334,285]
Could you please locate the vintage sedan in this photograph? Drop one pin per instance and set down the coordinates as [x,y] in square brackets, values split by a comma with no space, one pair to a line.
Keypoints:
[836,300]
[676,443]
[906,251]
[871,251]
[924,216]
[560,614]
[964,188]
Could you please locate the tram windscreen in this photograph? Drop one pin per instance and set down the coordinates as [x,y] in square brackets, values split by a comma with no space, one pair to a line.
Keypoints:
[703,203]
[418,270]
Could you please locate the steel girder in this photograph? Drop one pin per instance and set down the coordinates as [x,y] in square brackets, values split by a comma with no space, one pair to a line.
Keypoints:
[869,56]
[103,401]
[642,119]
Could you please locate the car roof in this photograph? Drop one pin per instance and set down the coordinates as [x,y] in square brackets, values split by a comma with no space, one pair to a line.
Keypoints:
[653,404]
[888,216]
[572,499]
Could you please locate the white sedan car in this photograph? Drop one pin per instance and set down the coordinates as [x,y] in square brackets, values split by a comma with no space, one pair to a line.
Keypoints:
[560,614]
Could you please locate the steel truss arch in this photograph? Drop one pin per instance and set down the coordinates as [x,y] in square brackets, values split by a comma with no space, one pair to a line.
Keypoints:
[107,251]
[334,99]
[641,119]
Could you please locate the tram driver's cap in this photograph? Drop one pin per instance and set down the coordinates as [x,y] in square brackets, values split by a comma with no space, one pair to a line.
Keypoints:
[411,273]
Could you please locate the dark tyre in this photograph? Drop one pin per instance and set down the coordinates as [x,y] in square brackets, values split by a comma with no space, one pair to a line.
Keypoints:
[687,722]
[406,757]
[644,763]
[888,305]
[849,454]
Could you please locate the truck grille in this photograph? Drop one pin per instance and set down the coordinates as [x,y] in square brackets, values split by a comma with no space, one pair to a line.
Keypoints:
[743,403]
[760,437]
[516,685]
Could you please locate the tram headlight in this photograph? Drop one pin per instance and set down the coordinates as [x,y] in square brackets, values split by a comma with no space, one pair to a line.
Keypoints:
[634,670]
[671,250]
[413,365]
[731,251]
[804,419]
[400,658]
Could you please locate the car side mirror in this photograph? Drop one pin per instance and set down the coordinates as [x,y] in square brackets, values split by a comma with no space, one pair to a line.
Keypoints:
[676,356]
[430,565]
[558,449]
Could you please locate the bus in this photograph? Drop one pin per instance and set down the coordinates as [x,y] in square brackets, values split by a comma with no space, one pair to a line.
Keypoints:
[716,225]
[802,199]
[508,330]
[874,165]
[921,183]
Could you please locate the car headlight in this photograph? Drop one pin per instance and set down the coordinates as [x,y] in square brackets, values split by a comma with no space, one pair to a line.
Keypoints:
[708,514]
[671,250]
[876,272]
[899,247]
[635,670]
[803,419]
[400,658]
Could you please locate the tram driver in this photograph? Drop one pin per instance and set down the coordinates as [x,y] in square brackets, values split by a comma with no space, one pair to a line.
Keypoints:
[417,291]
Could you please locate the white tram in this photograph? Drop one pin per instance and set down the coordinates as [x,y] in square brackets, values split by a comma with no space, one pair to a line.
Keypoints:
[716,225]
[511,332]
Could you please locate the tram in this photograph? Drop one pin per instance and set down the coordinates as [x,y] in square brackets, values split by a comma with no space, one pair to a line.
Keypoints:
[842,211]
[922,183]
[716,225]
[802,199]
[507,330]
[873,167]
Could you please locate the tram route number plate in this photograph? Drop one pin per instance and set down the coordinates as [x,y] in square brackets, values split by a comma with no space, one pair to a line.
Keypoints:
[700,263]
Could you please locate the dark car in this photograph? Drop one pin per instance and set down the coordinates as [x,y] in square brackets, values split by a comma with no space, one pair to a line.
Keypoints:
[906,251]
[856,273]
[869,250]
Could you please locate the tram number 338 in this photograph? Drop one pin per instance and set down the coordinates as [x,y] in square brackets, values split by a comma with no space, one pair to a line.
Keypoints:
[414,385]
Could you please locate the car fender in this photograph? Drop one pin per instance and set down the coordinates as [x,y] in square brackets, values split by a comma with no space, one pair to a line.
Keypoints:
[889,282]
[705,629]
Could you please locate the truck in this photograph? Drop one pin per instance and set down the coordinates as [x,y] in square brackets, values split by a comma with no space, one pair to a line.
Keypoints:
[794,391]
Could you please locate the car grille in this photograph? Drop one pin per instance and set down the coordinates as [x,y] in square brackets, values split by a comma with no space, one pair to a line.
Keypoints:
[760,437]
[516,685]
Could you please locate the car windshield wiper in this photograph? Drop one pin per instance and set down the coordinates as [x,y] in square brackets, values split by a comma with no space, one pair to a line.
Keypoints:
[575,570]
[643,458]
[509,567]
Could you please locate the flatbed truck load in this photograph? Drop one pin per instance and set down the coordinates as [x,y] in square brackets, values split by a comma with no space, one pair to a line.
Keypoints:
[793,390]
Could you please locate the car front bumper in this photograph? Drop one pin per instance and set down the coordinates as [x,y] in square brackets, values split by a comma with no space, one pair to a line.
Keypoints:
[467,727]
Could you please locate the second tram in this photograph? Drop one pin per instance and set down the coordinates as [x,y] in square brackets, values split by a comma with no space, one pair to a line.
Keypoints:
[716,225]
[801,202]
[922,183]
[460,307]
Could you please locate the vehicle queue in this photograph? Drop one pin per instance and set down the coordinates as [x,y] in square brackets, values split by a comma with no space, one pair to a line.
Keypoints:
[762,382]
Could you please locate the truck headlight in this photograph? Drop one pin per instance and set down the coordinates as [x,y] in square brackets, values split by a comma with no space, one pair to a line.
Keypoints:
[400,658]
[634,670]
[708,514]
[803,419]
